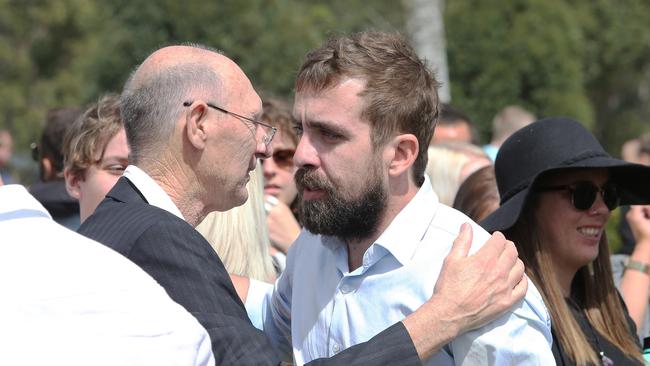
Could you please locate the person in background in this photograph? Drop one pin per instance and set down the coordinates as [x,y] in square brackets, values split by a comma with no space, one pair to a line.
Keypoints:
[6,151]
[279,187]
[505,123]
[68,300]
[454,125]
[631,264]
[449,164]
[51,190]
[558,187]
[632,273]
[95,154]
[239,235]
[478,195]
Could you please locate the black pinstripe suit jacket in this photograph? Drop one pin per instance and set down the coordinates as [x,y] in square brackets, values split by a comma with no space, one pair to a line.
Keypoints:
[184,263]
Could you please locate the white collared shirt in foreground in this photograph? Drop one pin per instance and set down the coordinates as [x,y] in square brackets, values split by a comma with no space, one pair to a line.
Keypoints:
[68,300]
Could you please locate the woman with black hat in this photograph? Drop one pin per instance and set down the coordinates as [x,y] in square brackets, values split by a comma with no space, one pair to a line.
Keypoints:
[558,187]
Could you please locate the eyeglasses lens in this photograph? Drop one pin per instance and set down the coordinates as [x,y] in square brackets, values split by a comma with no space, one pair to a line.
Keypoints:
[611,196]
[283,158]
[584,195]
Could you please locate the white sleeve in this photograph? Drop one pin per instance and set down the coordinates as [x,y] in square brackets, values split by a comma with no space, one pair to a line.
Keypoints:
[522,336]
[257,300]
[269,310]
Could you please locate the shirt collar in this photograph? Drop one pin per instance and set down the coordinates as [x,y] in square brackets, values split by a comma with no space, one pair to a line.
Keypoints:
[402,237]
[151,191]
[18,203]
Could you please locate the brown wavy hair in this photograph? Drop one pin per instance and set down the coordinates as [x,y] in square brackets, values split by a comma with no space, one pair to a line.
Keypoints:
[400,94]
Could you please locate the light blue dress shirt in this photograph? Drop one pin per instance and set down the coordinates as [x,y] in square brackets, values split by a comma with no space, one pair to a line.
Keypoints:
[319,308]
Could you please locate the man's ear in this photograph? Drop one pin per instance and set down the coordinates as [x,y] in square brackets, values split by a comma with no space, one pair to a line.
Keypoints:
[196,124]
[72,183]
[405,151]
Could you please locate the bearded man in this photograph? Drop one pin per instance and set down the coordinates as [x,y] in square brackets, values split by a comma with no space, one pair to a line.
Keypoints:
[376,236]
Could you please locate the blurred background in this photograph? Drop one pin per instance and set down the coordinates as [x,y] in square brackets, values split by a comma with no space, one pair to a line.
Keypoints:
[587,59]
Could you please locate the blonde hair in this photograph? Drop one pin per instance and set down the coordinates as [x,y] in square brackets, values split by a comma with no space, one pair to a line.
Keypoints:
[445,167]
[592,289]
[240,235]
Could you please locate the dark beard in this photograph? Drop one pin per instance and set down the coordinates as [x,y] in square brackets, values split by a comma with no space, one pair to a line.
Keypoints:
[334,215]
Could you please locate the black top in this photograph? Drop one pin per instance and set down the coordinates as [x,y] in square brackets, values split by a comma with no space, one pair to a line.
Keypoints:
[63,208]
[596,340]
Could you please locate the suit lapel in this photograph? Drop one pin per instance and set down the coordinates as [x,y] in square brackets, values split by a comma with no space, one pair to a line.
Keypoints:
[125,191]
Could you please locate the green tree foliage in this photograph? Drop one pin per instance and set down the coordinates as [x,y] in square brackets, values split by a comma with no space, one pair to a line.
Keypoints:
[617,67]
[589,59]
[585,59]
[69,52]
[37,40]
[525,52]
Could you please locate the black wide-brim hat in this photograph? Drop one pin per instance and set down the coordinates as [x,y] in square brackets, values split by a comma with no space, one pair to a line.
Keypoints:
[551,145]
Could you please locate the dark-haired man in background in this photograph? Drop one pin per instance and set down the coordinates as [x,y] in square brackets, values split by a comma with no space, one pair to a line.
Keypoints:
[51,191]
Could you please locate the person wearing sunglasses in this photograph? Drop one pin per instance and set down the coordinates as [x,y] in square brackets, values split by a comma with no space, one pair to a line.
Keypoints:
[558,187]
[280,191]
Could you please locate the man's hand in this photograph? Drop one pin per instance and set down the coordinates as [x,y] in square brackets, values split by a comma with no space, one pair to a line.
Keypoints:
[471,291]
[482,286]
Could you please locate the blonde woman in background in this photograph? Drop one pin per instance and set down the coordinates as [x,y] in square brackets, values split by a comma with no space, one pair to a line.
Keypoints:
[240,235]
[450,163]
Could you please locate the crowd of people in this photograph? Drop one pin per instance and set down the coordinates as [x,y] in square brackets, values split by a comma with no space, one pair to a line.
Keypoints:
[186,221]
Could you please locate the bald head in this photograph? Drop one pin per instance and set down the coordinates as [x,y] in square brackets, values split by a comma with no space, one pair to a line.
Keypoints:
[153,97]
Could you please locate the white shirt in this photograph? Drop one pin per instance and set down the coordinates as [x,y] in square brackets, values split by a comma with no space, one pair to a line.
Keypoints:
[319,308]
[68,300]
[151,191]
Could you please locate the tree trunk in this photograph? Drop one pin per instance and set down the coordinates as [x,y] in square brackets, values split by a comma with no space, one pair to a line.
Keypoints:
[427,30]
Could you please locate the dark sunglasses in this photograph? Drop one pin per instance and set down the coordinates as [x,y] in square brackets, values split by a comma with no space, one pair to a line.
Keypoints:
[583,194]
[283,158]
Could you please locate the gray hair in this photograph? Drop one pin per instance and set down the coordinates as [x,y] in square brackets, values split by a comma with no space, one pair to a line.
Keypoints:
[150,104]
[509,120]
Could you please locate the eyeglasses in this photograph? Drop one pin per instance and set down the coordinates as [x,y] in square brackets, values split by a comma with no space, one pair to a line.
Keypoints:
[269,131]
[583,194]
[283,158]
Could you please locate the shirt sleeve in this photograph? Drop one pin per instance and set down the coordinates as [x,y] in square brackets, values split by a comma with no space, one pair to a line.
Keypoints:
[257,300]
[521,336]
[269,309]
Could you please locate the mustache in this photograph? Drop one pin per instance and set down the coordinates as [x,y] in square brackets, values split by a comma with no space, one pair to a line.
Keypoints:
[309,179]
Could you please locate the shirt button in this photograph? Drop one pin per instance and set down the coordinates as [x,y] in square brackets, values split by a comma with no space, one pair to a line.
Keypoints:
[336,348]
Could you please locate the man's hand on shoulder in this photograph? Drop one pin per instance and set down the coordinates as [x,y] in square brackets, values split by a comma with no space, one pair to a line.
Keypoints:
[471,291]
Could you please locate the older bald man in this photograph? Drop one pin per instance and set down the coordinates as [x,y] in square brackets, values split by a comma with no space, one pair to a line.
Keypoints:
[190,116]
